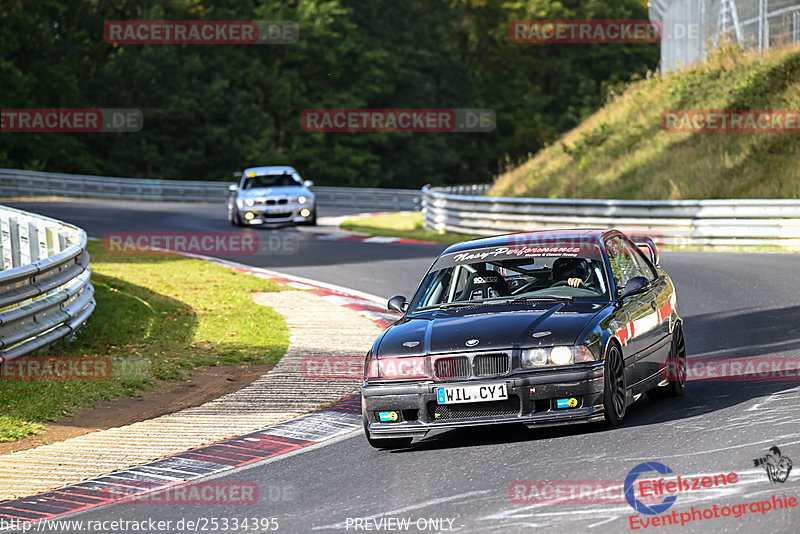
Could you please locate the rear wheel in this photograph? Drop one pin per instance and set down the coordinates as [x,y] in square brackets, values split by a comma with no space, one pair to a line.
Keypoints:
[676,368]
[386,443]
[614,393]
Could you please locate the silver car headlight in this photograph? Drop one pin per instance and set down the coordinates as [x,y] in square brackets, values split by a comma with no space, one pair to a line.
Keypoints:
[302,199]
[249,202]
[562,355]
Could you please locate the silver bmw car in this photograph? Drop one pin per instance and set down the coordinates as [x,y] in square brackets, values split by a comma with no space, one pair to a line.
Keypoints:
[271,195]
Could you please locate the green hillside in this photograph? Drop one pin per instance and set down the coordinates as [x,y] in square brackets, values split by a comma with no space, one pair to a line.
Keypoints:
[622,152]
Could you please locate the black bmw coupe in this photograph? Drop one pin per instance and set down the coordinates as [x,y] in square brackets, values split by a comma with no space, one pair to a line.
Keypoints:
[540,328]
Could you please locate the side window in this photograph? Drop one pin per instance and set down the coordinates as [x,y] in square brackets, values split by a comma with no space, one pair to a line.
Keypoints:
[436,290]
[622,260]
[461,281]
[642,266]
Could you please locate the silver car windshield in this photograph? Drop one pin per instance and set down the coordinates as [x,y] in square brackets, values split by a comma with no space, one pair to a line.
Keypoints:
[270,180]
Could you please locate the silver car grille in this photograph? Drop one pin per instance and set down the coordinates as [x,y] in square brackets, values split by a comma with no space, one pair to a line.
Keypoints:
[270,201]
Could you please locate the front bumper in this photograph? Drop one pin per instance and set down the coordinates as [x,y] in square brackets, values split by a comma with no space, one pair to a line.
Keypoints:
[278,214]
[531,400]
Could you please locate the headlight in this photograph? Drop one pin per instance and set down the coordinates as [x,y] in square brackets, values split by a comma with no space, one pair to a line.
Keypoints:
[302,200]
[398,368]
[535,357]
[249,202]
[563,355]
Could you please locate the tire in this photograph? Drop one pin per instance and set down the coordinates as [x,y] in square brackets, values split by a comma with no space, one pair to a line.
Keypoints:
[386,443]
[614,392]
[676,368]
[233,217]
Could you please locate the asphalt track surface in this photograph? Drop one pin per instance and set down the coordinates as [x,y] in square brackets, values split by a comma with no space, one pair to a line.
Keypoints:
[733,305]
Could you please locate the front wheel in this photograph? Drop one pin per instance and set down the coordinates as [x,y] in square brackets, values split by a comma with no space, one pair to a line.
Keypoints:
[233,216]
[386,443]
[614,393]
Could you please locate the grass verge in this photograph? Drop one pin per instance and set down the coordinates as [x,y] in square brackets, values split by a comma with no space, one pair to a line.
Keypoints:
[622,151]
[407,225]
[158,318]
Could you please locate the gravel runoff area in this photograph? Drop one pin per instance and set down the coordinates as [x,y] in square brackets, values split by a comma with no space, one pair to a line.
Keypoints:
[319,327]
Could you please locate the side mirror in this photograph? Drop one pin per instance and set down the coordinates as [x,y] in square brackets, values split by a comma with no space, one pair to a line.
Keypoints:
[308,183]
[635,285]
[233,188]
[398,303]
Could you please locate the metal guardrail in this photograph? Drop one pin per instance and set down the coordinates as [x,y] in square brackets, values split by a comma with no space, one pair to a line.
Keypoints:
[45,293]
[14,182]
[467,209]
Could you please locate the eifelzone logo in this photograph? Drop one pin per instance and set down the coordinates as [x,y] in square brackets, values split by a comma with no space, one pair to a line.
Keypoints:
[777,466]
[630,496]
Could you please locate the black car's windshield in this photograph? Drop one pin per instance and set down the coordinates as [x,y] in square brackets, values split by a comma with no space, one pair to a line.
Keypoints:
[270,180]
[508,277]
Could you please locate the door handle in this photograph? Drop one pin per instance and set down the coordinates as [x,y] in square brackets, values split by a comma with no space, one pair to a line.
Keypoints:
[653,304]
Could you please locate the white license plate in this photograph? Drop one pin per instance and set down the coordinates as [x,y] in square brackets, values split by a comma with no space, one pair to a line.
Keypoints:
[476,393]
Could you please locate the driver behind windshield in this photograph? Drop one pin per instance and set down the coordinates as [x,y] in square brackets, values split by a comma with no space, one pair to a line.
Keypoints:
[575,271]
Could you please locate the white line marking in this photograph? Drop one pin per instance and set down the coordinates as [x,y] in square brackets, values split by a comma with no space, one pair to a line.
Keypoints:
[298,285]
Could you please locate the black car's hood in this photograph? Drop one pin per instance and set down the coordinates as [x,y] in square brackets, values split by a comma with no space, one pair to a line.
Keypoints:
[495,327]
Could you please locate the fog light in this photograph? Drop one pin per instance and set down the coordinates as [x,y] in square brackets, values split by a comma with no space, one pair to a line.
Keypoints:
[571,402]
[249,215]
[305,212]
[387,417]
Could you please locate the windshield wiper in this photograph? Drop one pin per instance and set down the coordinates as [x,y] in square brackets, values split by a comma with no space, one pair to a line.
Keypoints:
[531,298]
[536,298]
[456,304]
